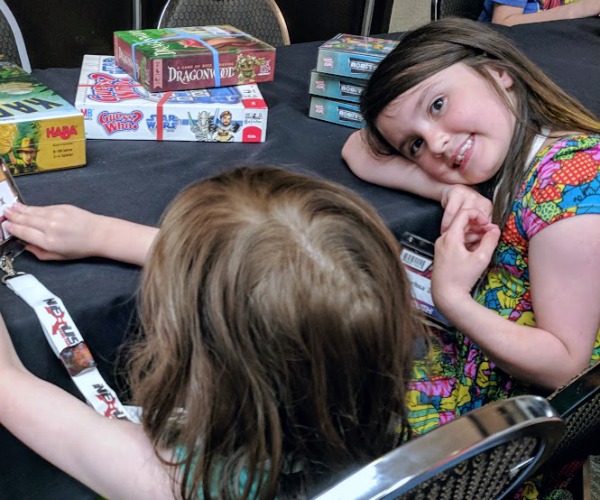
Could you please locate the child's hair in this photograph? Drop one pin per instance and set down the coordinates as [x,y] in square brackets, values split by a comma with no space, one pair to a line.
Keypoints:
[276,312]
[438,45]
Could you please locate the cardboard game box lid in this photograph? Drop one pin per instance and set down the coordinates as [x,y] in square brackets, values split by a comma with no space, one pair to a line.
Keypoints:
[39,130]
[115,106]
[353,55]
[193,57]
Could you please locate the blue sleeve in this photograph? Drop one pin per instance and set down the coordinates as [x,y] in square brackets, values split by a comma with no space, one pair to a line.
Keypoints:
[528,7]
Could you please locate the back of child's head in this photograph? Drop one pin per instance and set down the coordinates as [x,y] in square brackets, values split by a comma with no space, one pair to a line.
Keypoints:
[276,311]
[436,46]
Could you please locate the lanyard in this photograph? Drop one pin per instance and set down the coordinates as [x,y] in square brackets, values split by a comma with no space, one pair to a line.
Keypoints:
[66,342]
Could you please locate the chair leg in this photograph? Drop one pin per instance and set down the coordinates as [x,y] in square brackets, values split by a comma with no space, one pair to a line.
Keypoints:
[586,481]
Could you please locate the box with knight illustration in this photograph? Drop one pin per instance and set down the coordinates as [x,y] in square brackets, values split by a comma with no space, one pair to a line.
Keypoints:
[39,130]
[193,57]
[114,106]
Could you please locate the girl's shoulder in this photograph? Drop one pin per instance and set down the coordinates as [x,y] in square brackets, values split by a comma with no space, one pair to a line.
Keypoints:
[568,159]
[569,144]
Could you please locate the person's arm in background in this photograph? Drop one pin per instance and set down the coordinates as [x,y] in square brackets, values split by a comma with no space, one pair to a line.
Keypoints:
[510,16]
[63,232]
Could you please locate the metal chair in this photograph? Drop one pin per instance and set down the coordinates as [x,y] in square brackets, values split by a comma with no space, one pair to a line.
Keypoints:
[12,45]
[259,18]
[578,403]
[471,9]
[486,453]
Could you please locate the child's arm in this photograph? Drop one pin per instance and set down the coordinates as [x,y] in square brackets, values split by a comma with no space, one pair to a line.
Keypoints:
[112,457]
[67,232]
[389,171]
[564,260]
[510,16]
[399,173]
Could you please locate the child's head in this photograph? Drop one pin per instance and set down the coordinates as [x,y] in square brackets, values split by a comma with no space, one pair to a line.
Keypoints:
[276,311]
[436,70]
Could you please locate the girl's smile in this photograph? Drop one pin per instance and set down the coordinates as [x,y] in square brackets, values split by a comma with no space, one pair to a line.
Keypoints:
[453,125]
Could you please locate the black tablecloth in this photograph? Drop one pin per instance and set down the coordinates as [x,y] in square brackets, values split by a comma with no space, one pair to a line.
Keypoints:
[137,179]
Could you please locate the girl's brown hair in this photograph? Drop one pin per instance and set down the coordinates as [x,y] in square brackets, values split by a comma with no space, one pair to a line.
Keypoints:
[275,311]
[438,45]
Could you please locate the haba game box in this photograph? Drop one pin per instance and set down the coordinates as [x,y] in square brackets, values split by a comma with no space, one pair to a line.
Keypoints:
[39,130]
[353,55]
[114,106]
[193,58]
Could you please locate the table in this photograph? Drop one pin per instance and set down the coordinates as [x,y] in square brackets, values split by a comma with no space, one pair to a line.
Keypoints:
[137,179]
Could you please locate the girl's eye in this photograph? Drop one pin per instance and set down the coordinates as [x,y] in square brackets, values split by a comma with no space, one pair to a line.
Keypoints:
[415,145]
[437,105]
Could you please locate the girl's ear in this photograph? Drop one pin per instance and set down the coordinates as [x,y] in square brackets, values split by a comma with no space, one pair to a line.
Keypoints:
[502,77]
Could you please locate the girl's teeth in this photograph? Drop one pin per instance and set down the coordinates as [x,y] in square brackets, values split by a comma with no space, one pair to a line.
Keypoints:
[463,150]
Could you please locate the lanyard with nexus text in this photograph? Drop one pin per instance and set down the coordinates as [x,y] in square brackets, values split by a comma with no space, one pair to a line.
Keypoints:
[67,343]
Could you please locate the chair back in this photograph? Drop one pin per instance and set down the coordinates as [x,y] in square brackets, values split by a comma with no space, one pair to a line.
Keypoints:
[471,9]
[12,45]
[578,403]
[260,18]
[486,453]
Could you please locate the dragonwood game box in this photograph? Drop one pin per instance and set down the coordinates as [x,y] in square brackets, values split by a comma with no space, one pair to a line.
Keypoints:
[194,57]
[114,106]
[353,55]
[39,130]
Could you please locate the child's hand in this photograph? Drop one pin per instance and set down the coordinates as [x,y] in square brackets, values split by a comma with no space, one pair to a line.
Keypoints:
[457,197]
[56,232]
[458,263]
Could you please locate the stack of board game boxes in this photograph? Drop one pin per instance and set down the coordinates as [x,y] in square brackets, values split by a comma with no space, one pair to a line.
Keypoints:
[178,84]
[39,130]
[344,64]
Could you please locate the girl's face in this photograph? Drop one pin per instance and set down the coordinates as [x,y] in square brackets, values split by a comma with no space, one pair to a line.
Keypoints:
[453,125]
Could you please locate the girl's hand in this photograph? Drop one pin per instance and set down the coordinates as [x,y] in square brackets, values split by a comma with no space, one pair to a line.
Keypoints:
[459,263]
[456,197]
[56,232]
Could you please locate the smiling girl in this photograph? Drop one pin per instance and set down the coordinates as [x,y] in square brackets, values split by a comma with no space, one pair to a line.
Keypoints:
[455,105]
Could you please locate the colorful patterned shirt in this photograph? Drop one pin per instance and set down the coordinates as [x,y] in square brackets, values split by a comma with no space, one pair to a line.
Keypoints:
[563,181]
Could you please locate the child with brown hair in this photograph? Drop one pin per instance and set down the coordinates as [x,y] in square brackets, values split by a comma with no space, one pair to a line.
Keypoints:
[277,335]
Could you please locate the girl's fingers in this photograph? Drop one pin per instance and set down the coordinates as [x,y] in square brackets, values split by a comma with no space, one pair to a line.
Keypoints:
[26,215]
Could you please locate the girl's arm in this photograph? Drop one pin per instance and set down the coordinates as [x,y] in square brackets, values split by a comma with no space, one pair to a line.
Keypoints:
[112,457]
[510,16]
[564,263]
[67,232]
[389,171]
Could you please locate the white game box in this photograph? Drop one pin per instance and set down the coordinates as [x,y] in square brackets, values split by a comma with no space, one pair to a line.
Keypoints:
[115,106]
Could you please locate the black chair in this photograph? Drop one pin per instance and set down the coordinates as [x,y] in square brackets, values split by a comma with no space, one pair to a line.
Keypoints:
[12,45]
[486,453]
[260,18]
[471,9]
[578,403]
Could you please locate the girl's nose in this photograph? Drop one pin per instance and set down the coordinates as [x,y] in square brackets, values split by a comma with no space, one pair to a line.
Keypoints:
[437,141]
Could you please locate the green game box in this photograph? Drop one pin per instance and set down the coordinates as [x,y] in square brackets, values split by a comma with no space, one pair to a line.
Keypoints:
[193,58]
[39,130]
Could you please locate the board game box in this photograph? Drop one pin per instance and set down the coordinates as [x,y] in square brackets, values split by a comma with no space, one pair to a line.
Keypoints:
[336,87]
[339,112]
[353,55]
[39,130]
[114,106]
[193,58]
